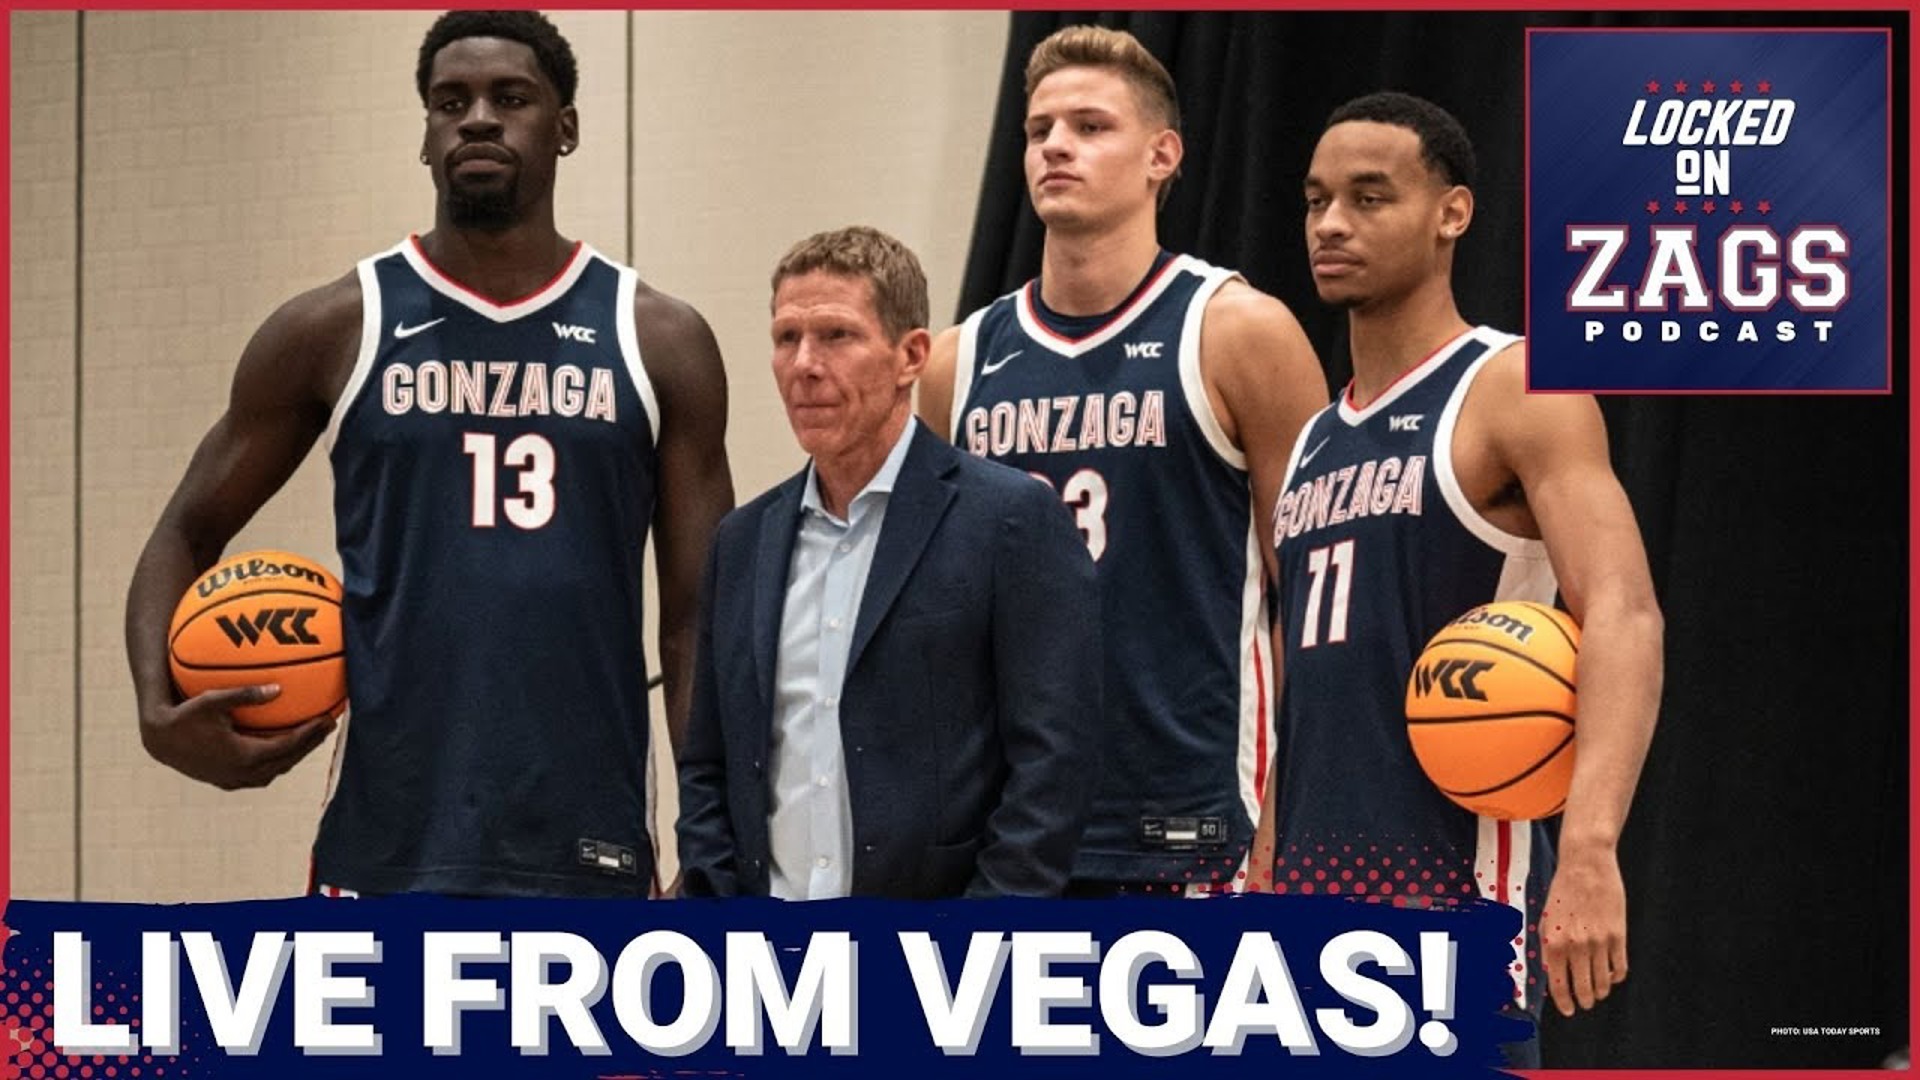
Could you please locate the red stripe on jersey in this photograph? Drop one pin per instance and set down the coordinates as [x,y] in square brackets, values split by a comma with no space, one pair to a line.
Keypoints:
[578,247]
[1126,309]
[1397,379]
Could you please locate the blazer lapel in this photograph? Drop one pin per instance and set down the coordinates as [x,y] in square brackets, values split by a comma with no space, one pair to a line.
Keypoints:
[771,563]
[920,498]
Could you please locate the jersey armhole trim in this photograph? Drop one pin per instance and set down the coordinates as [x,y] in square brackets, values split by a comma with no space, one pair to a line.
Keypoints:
[370,317]
[1490,534]
[1192,383]
[630,347]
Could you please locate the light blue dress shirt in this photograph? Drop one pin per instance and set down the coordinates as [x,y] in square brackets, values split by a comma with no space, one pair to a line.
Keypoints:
[811,823]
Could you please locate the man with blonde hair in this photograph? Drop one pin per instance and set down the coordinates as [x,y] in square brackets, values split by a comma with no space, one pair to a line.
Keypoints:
[1159,396]
[897,680]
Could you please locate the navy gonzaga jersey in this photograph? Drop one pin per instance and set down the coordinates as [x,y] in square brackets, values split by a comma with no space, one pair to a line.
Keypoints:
[1378,549]
[494,475]
[1118,421]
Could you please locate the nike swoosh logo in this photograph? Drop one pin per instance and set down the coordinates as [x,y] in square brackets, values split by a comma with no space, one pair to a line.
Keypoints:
[1308,456]
[402,330]
[988,369]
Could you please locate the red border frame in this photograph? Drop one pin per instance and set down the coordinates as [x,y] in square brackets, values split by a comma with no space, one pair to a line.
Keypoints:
[1526,203]
[1704,6]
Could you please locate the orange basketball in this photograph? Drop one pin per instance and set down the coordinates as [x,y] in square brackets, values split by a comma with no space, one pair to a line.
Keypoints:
[263,617]
[1490,708]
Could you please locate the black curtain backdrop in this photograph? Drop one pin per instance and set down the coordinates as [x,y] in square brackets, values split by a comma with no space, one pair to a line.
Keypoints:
[1766,856]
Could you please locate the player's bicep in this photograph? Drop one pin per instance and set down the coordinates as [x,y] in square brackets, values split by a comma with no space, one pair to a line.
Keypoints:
[933,396]
[1272,384]
[1557,447]
[695,480]
[276,410]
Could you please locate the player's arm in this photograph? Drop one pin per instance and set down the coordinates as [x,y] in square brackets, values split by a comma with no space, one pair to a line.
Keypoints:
[933,401]
[709,861]
[1266,383]
[279,404]
[695,483]
[1557,446]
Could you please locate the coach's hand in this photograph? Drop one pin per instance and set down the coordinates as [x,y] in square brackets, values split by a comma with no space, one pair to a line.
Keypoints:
[1583,931]
[198,737]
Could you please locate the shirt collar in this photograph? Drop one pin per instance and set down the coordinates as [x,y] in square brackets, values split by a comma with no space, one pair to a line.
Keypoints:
[882,482]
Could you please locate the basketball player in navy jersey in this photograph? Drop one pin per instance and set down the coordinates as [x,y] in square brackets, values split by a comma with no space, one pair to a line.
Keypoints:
[1159,396]
[1434,483]
[506,412]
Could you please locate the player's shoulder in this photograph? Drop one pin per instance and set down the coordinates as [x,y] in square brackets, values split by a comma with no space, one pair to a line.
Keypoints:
[1237,308]
[660,314]
[1503,376]
[326,315]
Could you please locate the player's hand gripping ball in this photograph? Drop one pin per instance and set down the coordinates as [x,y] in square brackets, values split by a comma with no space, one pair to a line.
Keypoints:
[1490,709]
[263,617]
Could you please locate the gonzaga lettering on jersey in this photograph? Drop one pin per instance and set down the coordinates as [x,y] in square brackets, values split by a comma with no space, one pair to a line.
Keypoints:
[1117,420]
[494,477]
[1379,548]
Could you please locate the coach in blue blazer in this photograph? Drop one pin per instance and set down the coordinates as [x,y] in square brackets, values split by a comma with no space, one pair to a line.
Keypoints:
[897,683]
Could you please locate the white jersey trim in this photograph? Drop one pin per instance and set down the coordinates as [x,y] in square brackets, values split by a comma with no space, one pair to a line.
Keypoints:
[963,363]
[1256,674]
[1191,380]
[1045,337]
[1407,380]
[370,318]
[630,344]
[1490,534]
[480,305]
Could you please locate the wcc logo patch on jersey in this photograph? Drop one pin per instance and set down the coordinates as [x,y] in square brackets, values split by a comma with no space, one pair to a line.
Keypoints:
[1707,211]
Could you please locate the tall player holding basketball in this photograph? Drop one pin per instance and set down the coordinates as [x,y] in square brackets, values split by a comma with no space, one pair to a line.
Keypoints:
[1433,484]
[1159,396]
[506,412]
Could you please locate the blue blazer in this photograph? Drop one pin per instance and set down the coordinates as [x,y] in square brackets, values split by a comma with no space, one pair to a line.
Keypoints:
[969,717]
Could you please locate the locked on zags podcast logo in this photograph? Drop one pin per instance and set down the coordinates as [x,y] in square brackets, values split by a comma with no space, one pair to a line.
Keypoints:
[1707,211]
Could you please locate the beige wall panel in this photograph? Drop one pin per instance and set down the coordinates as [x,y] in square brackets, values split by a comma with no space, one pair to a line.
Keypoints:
[44,102]
[225,173]
[755,130]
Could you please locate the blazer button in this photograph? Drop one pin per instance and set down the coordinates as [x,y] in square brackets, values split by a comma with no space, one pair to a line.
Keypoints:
[756,765]
[868,848]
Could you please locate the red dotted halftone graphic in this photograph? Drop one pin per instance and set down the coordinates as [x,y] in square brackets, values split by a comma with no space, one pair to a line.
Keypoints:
[1382,874]
[1209,876]
[27,1050]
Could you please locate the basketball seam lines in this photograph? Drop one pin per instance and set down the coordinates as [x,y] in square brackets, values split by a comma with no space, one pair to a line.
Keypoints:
[1534,768]
[1490,716]
[1517,655]
[256,667]
[1550,612]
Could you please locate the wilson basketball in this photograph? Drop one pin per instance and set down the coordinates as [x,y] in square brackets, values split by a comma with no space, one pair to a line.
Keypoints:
[1490,709]
[263,617]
